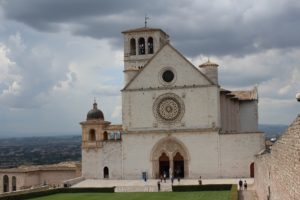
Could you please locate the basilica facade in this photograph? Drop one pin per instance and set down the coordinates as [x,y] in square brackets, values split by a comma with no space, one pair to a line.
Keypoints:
[176,119]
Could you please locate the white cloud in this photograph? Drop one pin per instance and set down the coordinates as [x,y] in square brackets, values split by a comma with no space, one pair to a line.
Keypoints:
[117,113]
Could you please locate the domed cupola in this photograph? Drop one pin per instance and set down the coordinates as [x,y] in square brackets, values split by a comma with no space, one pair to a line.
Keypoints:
[95,113]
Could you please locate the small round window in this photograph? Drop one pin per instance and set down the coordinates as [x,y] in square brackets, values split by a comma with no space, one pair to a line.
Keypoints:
[168,76]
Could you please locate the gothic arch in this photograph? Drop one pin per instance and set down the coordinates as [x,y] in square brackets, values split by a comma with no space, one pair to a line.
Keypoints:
[170,146]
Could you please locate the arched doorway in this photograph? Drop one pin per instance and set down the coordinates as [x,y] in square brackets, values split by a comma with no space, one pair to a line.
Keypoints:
[252,170]
[163,154]
[105,172]
[178,165]
[5,183]
[164,165]
[14,183]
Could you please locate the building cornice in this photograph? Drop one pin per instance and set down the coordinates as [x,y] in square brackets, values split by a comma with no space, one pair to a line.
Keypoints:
[168,88]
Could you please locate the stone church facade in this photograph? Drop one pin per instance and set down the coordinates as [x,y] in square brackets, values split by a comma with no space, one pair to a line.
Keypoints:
[176,119]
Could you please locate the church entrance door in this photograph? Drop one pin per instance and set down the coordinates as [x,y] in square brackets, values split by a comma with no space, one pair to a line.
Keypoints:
[164,165]
[178,165]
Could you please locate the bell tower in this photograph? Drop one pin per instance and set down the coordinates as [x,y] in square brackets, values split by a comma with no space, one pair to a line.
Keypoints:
[139,46]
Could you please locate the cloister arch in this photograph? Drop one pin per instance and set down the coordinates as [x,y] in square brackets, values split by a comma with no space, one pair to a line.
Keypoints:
[5,183]
[14,183]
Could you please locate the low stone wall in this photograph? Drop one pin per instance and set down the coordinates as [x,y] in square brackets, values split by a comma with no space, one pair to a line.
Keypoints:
[277,174]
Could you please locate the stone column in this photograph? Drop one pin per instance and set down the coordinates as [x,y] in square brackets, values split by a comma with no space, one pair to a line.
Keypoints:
[171,166]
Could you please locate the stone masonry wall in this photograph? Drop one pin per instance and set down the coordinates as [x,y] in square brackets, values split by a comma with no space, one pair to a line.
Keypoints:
[277,174]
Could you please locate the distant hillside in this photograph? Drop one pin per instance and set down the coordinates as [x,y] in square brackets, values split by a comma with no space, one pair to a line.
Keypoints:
[272,130]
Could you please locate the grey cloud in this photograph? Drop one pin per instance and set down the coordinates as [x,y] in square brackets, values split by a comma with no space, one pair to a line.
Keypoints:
[195,27]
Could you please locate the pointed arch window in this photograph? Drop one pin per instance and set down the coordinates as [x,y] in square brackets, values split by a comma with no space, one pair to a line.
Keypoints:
[141,46]
[92,135]
[132,47]
[150,45]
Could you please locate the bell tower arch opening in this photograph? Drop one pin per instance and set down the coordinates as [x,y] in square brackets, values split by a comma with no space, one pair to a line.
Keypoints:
[171,156]
[141,46]
[92,135]
[150,45]
[132,46]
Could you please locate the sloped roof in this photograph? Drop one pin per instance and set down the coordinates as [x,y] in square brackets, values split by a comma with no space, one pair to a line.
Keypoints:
[242,95]
[245,95]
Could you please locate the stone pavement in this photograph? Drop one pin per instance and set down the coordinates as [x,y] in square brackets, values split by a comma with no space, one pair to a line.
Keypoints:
[247,195]
[151,184]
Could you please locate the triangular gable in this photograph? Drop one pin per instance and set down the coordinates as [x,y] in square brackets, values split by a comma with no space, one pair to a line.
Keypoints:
[168,56]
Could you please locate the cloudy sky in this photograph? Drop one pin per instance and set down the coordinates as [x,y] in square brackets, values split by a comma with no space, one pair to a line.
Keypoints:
[56,56]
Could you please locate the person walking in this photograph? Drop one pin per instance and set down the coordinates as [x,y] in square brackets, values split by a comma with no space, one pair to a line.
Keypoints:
[172,179]
[245,185]
[158,186]
[165,176]
[240,184]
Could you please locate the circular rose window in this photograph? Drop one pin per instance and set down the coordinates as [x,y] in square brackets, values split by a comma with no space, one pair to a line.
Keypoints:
[168,76]
[168,108]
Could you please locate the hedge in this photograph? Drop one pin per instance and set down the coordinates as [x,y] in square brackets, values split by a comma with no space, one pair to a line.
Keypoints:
[29,195]
[191,188]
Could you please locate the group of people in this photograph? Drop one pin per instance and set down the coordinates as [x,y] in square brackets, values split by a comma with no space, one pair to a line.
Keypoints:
[243,185]
[163,178]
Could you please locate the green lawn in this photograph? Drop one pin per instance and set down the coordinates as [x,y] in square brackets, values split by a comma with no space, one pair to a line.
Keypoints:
[205,195]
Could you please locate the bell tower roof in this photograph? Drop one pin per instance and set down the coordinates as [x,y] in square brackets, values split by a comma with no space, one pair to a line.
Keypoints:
[144,29]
